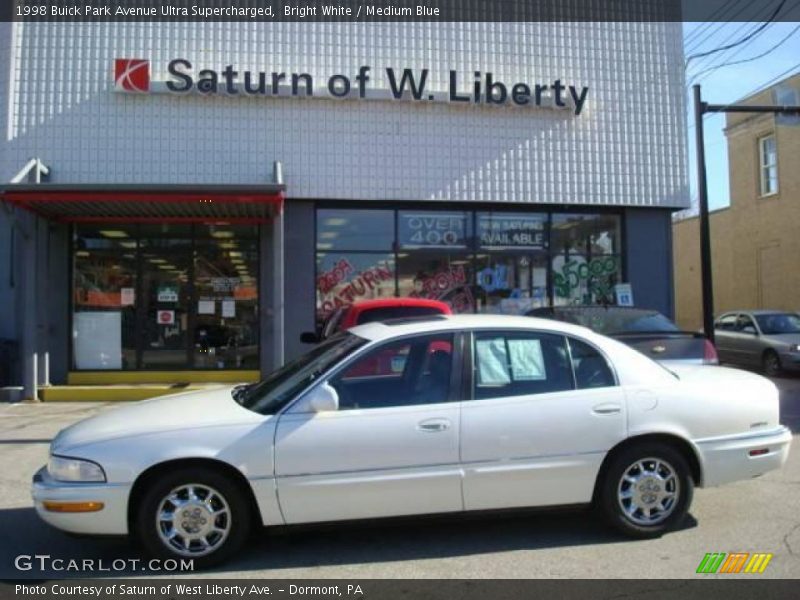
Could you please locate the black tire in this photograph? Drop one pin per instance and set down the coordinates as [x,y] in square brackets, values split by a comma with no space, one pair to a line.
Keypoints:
[236,521]
[771,364]
[612,487]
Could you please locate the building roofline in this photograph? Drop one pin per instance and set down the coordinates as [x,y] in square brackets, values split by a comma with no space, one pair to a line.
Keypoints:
[154,188]
[763,89]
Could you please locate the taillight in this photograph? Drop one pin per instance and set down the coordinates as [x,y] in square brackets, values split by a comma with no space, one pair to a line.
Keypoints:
[710,356]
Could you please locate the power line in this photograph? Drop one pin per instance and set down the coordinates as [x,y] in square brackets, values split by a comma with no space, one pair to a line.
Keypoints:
[726,57]
[720,23]
[708,60]
[741,41]
[746,60]
[715,18]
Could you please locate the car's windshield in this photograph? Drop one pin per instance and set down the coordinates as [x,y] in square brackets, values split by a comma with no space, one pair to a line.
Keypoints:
[610,321]
[777,323]
[279,387]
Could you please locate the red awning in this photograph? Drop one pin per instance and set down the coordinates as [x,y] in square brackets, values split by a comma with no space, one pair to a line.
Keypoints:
[251,204]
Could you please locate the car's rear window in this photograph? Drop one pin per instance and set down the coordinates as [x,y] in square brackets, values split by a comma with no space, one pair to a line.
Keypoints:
[613,321]
[396,312]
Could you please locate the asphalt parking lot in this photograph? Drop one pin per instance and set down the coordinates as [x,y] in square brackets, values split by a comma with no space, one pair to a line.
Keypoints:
[761,515]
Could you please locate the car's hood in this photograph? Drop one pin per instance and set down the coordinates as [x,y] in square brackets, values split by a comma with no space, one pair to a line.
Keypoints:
[206,408]
[782,338]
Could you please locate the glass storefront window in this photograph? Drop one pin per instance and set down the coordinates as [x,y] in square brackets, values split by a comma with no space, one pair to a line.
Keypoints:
[355,230]
[433,261]
[226,288]
[166,255]
[166,296]
[585,234]
[445,276]
[427,229]
[585,258]
[104,298]
[477,261]
[511,231]
[344,278]
[511,283]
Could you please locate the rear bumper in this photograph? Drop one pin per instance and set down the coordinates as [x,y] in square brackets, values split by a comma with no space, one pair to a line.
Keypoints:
[112,519]
[728,458]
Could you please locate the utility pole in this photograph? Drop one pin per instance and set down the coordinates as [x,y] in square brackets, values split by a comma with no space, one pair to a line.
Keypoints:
[700,109]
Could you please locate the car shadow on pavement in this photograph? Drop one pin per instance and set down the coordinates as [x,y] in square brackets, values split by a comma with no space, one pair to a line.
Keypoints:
[342,544]
[422,538]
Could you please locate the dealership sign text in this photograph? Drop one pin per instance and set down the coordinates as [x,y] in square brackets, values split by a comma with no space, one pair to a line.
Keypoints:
[476,88]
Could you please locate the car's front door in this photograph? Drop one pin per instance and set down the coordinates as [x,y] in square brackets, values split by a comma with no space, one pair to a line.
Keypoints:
[544,412]
[390,449]
[744,342]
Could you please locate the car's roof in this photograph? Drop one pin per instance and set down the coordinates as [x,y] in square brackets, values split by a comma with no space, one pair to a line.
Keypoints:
[381,330]
[759,311]
[363,305]
[593,307]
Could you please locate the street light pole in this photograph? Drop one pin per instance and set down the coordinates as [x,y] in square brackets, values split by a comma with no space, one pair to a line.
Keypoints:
[700,109]
[705,234]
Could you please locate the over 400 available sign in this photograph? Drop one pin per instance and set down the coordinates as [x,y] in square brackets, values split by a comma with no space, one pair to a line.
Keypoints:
[473,88]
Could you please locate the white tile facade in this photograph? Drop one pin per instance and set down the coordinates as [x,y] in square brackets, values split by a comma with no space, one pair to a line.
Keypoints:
[627,148]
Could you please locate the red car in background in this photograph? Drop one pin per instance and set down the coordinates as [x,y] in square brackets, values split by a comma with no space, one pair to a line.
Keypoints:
[368,311]
[391,361]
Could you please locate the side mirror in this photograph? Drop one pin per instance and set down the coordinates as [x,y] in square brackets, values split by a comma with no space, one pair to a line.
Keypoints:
[309,337]
[323,398]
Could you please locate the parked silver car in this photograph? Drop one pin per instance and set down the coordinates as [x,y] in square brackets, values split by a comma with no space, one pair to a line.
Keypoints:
[768,339]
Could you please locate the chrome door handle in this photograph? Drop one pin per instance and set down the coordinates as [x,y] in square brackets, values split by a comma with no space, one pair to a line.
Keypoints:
[606,409]
[433,425]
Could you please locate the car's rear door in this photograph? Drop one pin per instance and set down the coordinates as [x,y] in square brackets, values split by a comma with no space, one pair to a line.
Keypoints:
[391,448]
[535,430]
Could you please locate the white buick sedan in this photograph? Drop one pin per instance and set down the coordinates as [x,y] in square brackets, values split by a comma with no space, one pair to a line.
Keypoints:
[417,416]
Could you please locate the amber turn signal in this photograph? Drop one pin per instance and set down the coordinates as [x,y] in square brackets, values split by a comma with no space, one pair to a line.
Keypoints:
[73,507]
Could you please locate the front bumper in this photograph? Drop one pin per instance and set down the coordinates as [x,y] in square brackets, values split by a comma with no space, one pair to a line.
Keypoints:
[112,519]
[727,459]
[790,361]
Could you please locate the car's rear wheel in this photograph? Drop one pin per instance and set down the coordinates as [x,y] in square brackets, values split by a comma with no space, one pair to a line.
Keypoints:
[647,490]
[771,363]
[197,513]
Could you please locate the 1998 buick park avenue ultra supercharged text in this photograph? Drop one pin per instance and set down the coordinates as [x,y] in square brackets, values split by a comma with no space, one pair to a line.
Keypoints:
[433,415]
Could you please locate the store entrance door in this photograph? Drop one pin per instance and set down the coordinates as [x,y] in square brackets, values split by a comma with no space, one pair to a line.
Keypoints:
[165,314]
[166,297]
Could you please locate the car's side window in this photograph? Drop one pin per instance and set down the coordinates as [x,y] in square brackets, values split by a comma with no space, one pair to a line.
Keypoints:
[744,324]
[404,372]
[519,364]
[726,323]
[591,368]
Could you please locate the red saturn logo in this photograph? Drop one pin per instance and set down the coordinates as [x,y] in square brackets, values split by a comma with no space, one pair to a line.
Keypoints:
[132,74]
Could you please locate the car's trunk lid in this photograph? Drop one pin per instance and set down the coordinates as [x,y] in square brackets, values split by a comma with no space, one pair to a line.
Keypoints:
[667,346]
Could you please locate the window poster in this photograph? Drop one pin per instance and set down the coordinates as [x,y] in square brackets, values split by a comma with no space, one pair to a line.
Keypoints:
[97,338]
[206,307]
[228,309]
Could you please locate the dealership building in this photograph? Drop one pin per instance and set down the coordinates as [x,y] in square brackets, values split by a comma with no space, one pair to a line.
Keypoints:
[180,201]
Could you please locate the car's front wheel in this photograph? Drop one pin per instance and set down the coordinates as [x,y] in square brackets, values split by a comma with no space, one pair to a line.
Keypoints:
[195,513]
[647,490]
[771,363]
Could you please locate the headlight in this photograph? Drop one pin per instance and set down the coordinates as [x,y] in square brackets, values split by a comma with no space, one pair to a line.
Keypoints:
[794,348]
[74,470]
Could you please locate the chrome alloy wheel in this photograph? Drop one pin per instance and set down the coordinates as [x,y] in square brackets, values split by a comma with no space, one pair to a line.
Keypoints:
[193,520]
[648,491]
